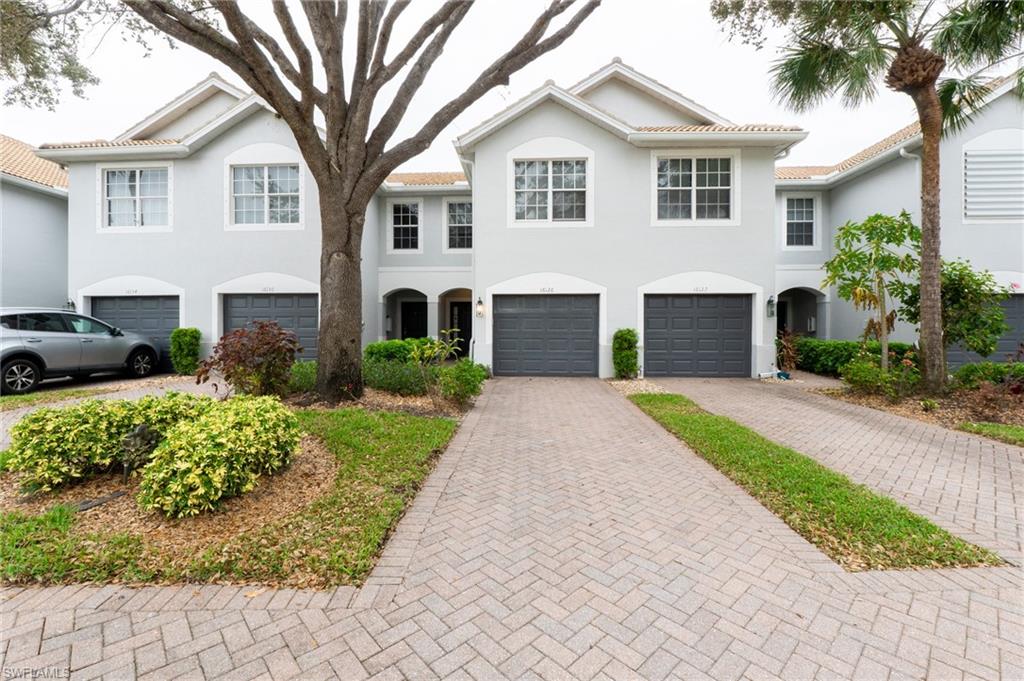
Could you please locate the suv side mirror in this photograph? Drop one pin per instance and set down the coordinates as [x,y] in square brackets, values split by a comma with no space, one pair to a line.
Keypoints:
[116,332]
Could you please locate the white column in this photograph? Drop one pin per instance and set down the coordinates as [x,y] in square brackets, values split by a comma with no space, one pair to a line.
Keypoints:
[432,320]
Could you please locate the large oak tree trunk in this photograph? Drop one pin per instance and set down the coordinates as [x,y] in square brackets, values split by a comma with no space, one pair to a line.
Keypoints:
[339,365]
[932,344]
[915,71]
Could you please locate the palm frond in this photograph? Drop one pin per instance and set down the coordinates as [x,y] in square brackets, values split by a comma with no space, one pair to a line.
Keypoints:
[980,32]
[960,99]
[812,72]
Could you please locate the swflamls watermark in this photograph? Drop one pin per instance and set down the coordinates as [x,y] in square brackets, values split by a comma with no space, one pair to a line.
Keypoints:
[36,672]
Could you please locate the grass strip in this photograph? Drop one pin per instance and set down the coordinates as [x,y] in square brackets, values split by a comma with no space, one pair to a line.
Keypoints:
[12,402]
[384,458]
[1013,435]
[857,528]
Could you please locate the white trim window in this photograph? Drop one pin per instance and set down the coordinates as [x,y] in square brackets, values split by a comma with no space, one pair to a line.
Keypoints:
[692,188]
[800,212]
[550,190]
[136,197]
[458,225]
[265,194]
[404,221]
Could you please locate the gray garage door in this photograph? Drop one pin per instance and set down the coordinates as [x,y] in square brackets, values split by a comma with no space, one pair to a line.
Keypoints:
[1008,344]
[697,335]
[152,316]
[295,312]
[545,335]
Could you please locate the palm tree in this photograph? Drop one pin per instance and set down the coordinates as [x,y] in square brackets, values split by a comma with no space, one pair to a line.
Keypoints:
[838,47]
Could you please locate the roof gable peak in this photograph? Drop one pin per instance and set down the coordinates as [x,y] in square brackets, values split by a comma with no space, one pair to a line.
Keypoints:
[617,69]
[187,100]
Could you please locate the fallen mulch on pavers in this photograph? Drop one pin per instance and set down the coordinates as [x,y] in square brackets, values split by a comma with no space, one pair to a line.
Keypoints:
[310,475]
[950,411]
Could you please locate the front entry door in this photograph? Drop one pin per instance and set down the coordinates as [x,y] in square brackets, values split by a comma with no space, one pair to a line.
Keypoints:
[460,317]
[414,319]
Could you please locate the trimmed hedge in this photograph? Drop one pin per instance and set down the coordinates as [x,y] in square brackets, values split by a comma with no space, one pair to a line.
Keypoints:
[395,376]
[55,446]
[624,353]
[828,357]
[303,378]
[395,350]
[972,375]
[221,454]
[185,350]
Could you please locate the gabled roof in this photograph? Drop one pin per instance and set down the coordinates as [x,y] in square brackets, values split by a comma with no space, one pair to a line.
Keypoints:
[19,160]
[434,179]
[102,144]
[547,92]
[187,100]
[616,69]
[750,127]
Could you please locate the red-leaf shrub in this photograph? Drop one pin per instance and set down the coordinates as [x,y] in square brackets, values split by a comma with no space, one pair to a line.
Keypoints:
[253,361]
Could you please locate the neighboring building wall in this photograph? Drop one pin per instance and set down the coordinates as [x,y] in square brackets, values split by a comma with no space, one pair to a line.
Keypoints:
[34,248]
[621,252]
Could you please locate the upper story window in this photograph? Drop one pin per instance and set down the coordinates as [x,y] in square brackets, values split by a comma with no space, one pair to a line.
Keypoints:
[800,221]
[694,188]
[404,227]
[136,197]
[459,220]
[551,190]
[265,195]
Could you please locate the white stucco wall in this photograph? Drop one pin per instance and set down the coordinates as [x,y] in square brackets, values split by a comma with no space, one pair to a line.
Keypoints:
[33,247]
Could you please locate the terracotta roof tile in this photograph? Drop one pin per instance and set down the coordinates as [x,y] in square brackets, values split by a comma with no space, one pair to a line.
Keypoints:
[101,143]
[427,179]
[20,160]
[750,127]
[880,147]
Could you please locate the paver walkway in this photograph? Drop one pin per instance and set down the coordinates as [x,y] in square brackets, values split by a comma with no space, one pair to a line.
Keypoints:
[563,535]
[970,485]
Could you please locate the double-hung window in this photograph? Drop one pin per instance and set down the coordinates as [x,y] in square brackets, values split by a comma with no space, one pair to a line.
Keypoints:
[265,195]
[799,221]
[460,225]
[694,188]
[550,190]
[136,197]
[405,227]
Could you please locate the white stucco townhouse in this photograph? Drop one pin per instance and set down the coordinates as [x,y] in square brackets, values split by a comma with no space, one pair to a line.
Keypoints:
[613,203]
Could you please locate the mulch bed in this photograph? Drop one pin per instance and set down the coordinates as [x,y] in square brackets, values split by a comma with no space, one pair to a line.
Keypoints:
[310,475]
[378,400]
[952,410]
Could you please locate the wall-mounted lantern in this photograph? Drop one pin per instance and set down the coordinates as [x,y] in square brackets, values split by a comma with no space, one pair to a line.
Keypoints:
[70,305]
[771,306]
[479,307]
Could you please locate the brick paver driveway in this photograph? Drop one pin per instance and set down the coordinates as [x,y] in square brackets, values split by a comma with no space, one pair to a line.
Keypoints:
[563,535]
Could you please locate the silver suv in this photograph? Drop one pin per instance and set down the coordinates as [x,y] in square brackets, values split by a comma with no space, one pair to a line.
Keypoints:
[37,343]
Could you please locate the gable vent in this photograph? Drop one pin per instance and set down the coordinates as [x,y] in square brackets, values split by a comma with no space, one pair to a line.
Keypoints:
[994,184]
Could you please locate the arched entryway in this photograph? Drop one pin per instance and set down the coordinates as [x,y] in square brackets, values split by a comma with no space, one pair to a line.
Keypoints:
[455,311]
[406,314]
[802,311]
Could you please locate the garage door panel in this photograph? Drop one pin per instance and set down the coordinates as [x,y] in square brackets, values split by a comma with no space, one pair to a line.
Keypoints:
[1013,312]
[554,335]
[294,312]
[697,335]
[152,316]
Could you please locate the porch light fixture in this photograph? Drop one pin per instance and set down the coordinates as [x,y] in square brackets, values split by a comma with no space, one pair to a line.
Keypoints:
[70,305]
[771,306]
[479,307]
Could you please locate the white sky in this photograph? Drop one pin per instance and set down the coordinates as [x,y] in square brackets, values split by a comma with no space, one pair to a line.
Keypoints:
[673,41]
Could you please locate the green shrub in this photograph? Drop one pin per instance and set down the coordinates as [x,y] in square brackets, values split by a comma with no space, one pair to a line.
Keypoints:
[395,350]
[303,378]
[185,350]
[624,353]
[971,376]
[827,357]
[462,380]
[402,378]
[55,446]
[219,455]
[865,375]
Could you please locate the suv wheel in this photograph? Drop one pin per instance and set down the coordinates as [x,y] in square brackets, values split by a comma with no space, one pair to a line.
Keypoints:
[141,363]
[19,376]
